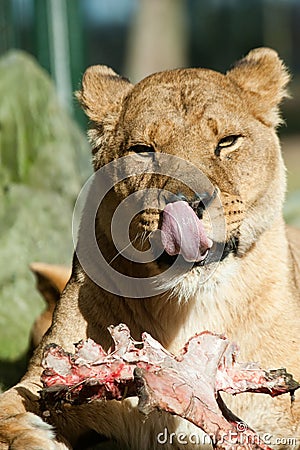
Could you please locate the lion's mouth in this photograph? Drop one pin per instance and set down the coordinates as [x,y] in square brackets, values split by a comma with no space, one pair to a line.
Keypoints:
[182,232]
[184,235]
[218,252]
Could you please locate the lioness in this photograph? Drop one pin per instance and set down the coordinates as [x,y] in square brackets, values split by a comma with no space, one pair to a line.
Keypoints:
[224,126]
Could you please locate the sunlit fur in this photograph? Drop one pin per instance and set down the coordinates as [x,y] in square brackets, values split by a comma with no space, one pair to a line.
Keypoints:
[252,296]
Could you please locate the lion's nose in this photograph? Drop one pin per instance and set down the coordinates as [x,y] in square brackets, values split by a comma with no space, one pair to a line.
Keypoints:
[200,201]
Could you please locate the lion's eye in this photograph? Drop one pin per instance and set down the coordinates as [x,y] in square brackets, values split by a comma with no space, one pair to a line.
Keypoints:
[228,141]
[141,149]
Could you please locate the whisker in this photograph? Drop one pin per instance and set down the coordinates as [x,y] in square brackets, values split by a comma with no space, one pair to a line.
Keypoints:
[144,235]
[121,251]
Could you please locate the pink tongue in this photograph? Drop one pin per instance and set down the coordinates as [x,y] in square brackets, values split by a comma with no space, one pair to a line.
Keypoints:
[183,232]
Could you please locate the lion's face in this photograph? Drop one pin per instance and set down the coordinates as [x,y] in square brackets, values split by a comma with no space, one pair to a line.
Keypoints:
[222,125]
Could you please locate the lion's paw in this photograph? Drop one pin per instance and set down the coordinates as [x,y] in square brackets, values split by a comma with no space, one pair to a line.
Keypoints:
[27,431]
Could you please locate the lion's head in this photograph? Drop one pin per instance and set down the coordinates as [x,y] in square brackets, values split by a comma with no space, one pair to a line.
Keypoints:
[222,126]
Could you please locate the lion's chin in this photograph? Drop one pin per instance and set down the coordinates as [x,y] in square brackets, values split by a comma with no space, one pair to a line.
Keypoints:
[218,252]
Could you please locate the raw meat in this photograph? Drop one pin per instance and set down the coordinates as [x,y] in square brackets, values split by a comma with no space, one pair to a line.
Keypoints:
[187,385]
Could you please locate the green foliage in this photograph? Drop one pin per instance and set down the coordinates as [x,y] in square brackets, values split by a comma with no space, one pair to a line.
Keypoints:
[292,209]
[43,164]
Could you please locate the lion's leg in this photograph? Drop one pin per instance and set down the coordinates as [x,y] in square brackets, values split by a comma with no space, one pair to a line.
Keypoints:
[20,426]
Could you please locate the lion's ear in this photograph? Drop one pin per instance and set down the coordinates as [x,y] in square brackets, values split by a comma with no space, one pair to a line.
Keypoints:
[102,90]
[264,76]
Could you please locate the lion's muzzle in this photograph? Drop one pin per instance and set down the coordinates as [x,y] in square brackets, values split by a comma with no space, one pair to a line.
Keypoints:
[183,232]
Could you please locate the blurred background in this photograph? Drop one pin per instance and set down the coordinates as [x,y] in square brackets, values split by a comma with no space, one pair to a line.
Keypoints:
[45,45]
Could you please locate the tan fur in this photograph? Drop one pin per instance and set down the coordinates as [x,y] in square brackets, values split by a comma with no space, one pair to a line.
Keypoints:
[252,297]
[51,280]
